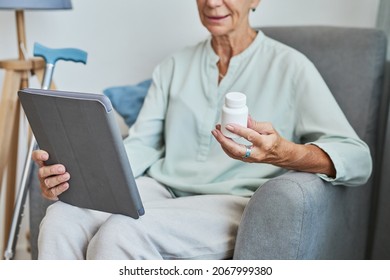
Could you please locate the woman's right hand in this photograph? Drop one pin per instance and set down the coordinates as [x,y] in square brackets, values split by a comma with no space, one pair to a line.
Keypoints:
[53,178]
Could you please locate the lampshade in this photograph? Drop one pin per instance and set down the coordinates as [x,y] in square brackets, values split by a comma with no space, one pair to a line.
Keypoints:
[35,4]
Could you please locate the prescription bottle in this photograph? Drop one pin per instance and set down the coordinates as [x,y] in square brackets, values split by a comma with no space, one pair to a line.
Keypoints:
[234,111]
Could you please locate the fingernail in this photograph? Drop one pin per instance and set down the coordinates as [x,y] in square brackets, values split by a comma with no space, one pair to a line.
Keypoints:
[65,186]
[61,169]
[229,127]
[66,176]
[44,157]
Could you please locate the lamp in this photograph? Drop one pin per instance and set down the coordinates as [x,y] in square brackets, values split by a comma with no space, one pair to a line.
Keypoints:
[15,78]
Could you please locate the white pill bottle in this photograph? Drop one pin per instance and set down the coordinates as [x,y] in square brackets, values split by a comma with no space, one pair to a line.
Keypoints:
[234,111]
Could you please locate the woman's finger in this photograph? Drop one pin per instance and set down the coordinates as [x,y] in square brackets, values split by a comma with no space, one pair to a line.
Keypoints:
[47,171]
[40,156]
[54,181]
[247,133]
[53,193]
[230,147]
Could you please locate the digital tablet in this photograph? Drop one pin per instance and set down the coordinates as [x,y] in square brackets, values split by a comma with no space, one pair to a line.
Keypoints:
[79,130]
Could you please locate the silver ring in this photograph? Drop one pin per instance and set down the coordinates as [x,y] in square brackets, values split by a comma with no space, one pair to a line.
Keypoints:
[248,151]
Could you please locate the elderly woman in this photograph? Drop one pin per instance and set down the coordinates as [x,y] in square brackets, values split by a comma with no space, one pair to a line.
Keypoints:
[194,181]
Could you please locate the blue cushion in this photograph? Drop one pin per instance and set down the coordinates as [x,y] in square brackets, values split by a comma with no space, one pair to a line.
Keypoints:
[127,100]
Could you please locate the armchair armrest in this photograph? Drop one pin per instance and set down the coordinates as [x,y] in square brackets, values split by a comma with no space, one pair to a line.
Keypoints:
[297,216]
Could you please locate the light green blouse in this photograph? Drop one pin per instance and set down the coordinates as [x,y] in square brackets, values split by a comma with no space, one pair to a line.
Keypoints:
[172,142]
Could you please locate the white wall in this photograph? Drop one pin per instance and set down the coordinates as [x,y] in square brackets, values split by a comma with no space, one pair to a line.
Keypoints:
[125,39]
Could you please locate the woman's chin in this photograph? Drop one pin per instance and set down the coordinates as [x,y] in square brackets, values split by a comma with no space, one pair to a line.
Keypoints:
[217,31]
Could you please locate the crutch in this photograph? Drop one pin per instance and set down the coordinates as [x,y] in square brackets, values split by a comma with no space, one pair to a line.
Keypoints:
[51,56]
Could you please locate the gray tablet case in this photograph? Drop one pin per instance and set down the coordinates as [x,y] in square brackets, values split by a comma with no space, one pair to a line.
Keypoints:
[79,130]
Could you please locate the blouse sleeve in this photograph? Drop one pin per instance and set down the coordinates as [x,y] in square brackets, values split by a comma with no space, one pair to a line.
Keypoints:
[145,143]
[322,123]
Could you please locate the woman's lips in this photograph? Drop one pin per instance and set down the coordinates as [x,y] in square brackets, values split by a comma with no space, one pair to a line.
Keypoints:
[216,18]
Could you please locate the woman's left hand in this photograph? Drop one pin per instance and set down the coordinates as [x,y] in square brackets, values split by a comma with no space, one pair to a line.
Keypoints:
[267,145]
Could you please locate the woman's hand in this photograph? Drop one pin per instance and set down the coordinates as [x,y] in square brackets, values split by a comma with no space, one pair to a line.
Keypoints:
[53,178]
[266,142]
[269,147]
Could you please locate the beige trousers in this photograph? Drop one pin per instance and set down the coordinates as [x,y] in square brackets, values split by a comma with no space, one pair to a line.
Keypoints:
[194,227]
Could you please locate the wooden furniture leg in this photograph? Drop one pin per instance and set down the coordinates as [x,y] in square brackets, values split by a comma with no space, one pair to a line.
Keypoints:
[16,77]
[8,106]
[9,128]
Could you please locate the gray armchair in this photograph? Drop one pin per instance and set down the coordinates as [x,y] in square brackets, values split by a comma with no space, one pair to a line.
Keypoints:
[297,215]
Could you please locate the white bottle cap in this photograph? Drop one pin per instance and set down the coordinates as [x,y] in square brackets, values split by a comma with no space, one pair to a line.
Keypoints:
[235,99]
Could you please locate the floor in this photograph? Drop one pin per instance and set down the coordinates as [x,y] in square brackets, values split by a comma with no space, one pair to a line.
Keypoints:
[22,251]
